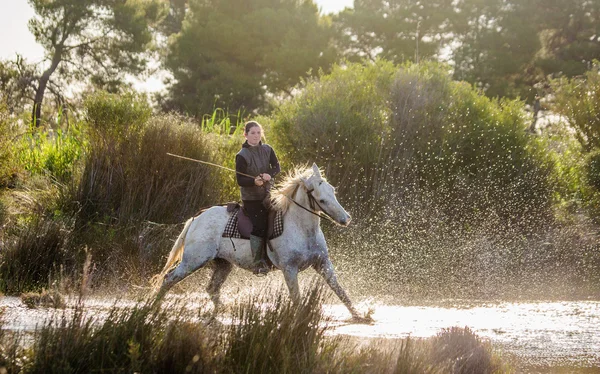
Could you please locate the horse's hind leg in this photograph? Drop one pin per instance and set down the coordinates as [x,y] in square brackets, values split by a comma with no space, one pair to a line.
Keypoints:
[191,261]
[220,274]
[325,268]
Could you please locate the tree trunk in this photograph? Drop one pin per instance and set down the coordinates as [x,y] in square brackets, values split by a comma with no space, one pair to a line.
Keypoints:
[41,89]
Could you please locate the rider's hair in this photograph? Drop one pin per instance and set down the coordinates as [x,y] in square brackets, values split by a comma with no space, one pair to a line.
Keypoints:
[250,124]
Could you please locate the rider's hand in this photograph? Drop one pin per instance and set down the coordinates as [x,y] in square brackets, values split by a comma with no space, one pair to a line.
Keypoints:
[258,181]
[266,177]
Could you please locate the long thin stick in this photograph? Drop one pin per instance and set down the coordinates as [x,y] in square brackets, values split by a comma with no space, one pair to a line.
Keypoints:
[211,164]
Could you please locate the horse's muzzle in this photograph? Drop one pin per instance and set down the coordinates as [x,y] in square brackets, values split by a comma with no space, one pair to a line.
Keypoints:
[345,221]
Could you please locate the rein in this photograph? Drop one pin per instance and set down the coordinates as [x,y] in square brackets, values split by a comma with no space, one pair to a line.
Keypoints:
[312,201]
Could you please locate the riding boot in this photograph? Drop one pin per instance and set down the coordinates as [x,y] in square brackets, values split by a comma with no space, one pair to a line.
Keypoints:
[257,245]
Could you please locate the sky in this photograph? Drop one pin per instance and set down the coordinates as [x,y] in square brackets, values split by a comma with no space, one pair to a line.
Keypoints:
[16,38]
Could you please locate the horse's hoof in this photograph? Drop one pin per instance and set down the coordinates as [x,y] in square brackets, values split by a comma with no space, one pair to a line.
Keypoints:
[261,273]
[366,320]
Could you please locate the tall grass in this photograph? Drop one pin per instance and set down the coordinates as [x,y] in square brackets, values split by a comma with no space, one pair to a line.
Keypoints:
[128,175]
[35,257]
[278,336]
[268,334]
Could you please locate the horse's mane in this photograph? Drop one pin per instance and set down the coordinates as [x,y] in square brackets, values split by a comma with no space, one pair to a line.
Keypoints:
[281,197]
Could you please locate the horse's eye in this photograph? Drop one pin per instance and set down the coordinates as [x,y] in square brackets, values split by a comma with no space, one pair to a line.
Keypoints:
[322,201]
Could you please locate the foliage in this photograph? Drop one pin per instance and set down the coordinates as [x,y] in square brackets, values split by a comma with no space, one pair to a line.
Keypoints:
[91,40]
[578,99]
[141,339]
[498,41]
[471,150]
[593,169]
[569,35]
[290,336]
[398,31]
[55,153]
[8,166]
[383,131]
[16,83]
[338,121]
[230,54]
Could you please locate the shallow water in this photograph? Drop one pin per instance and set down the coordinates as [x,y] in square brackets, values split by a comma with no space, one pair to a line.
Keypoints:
[538,334]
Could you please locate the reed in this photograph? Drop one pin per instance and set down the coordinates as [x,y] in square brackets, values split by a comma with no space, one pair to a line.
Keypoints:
[268,334]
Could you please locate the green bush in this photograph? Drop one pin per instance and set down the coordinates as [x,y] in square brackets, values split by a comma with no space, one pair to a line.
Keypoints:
[339,121]
[470,150]
[116,116]
[386,134]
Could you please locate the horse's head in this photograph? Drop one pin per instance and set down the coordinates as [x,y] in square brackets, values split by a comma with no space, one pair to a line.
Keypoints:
[323,194]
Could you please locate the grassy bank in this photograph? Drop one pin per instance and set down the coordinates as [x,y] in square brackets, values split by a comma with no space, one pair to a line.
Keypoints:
[267,335]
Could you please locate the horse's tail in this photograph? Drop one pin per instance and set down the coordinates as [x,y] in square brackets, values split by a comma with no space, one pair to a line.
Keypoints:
[174,256]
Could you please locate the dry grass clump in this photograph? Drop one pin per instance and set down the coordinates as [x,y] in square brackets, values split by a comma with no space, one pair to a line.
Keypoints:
[46,299]
[37,254]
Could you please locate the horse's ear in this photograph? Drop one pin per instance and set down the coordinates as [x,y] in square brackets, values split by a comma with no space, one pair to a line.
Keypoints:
[316,171]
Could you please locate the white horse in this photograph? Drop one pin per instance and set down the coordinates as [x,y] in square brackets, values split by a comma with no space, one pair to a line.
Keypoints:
[301,197]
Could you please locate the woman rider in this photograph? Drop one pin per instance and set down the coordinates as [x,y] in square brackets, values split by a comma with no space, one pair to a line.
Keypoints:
[256,158]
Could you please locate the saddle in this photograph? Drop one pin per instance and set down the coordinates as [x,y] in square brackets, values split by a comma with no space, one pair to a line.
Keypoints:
[239,224]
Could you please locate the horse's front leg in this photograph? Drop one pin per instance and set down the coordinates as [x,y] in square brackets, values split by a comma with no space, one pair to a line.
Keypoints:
[325,268]
[290,273]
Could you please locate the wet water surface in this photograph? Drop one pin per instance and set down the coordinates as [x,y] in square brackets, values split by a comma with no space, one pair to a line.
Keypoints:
[537,333]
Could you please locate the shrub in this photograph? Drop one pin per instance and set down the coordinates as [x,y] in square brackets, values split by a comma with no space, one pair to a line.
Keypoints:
[461,351]
[386,134]
[338,121]
[278,336]
[138,339]
[471,151]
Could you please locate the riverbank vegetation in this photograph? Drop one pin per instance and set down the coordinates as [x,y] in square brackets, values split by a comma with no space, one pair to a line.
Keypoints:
[451,194]
[455,189]
[268,334]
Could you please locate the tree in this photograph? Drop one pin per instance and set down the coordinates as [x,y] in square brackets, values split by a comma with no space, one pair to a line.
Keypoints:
[578,100]
[507,47]
[17,84]
[397,30]
[234,53]
[570,35]
[99,40]
[498,41]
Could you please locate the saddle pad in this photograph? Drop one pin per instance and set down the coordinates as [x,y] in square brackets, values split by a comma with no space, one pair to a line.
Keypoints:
[231,228]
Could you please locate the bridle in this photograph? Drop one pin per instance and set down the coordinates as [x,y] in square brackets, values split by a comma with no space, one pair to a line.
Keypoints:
[312,201]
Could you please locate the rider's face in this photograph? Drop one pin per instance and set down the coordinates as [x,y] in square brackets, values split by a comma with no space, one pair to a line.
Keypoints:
[253,135]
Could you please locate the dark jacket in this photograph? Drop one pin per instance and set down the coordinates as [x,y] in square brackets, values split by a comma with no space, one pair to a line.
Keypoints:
[255,160]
